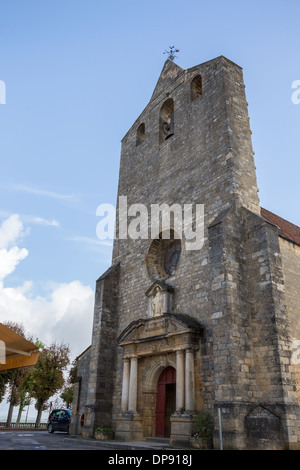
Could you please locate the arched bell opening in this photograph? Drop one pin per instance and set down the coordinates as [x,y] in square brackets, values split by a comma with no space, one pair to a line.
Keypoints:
[166,120]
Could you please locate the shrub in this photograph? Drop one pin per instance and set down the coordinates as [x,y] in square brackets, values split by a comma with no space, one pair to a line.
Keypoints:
[103,430]
[203,425]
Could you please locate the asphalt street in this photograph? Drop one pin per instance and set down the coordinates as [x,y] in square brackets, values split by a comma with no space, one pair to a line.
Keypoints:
[41,440]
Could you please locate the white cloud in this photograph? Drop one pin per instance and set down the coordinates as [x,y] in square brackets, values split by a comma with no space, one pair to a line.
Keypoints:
[10,230]
[63,315]
[43,192]
[42,221]
[9,260]
[31,219]
[90,242]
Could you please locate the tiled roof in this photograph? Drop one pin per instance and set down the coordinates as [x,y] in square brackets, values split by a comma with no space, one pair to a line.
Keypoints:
[286,229]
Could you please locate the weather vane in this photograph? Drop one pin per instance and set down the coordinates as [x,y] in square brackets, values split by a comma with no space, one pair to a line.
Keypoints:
[171,52]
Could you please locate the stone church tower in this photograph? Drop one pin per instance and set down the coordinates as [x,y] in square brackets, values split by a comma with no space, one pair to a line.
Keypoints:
[179,329]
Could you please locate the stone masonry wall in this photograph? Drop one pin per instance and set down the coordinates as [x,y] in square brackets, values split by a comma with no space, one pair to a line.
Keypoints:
[234,285]
[290,253]
[275,381]
[80,393]
[209,161]
[98,410]
[196,165]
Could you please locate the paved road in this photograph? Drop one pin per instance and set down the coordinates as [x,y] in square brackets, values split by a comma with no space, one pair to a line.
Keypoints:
[41,440]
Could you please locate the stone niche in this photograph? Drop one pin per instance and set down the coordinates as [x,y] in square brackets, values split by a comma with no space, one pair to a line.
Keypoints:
[149,347]
[160,299]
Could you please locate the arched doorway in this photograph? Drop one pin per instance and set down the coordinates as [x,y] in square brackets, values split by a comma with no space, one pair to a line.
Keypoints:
[165,401]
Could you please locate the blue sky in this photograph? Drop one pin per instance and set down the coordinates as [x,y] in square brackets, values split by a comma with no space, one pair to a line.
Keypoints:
[77,75]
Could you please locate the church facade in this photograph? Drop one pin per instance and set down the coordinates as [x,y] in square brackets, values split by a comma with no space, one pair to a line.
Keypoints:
[202,313]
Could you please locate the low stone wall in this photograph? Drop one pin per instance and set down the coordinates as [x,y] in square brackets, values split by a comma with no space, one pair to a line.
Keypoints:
[23,426]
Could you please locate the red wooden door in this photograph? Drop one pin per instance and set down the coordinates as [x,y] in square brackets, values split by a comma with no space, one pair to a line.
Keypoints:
[167,377]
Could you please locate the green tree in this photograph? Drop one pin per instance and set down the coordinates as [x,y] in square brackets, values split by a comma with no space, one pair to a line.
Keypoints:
[67,395]
[26,388]
[5,377]
[25,394]
[48,375]
[68,389]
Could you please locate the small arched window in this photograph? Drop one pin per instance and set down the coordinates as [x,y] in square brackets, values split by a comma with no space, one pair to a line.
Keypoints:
[196,87]
[140,134]
[166,120]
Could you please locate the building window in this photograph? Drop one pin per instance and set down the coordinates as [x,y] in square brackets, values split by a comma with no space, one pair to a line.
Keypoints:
[196,87]
[140,134]
[163,255]
[166,120]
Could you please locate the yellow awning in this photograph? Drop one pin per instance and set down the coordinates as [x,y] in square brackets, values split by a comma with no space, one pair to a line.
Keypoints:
[15,350]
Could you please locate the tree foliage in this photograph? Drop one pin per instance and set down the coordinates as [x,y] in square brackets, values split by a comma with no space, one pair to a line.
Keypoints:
[68,389]
[48,374]
[41,381]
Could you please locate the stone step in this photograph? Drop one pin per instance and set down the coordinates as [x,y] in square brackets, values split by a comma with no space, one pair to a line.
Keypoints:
[162,440]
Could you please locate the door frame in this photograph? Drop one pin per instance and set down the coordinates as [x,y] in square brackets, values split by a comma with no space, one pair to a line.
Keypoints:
[167,377]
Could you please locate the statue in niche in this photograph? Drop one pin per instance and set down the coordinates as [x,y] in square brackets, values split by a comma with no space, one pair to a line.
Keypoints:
[156,302]
[159,299]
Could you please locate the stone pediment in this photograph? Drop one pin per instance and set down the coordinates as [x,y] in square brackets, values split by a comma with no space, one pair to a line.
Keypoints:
[158,328]
[162,285]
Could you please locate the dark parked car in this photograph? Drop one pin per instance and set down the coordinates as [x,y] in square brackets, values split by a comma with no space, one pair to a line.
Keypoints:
[59,420]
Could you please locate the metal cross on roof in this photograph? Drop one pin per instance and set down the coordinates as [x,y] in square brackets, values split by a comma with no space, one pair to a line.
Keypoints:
[171,52]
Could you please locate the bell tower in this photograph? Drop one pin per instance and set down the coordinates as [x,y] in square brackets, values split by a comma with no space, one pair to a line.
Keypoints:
[181,320]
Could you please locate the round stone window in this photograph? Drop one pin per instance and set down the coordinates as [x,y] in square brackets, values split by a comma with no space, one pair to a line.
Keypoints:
[163,257]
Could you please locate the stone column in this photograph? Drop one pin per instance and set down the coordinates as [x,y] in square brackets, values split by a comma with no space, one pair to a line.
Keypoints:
[125,385]
[189,380]
[180,379]
[132,405]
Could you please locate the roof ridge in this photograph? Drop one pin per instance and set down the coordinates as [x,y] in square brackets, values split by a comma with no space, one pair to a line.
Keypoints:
[286,229]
